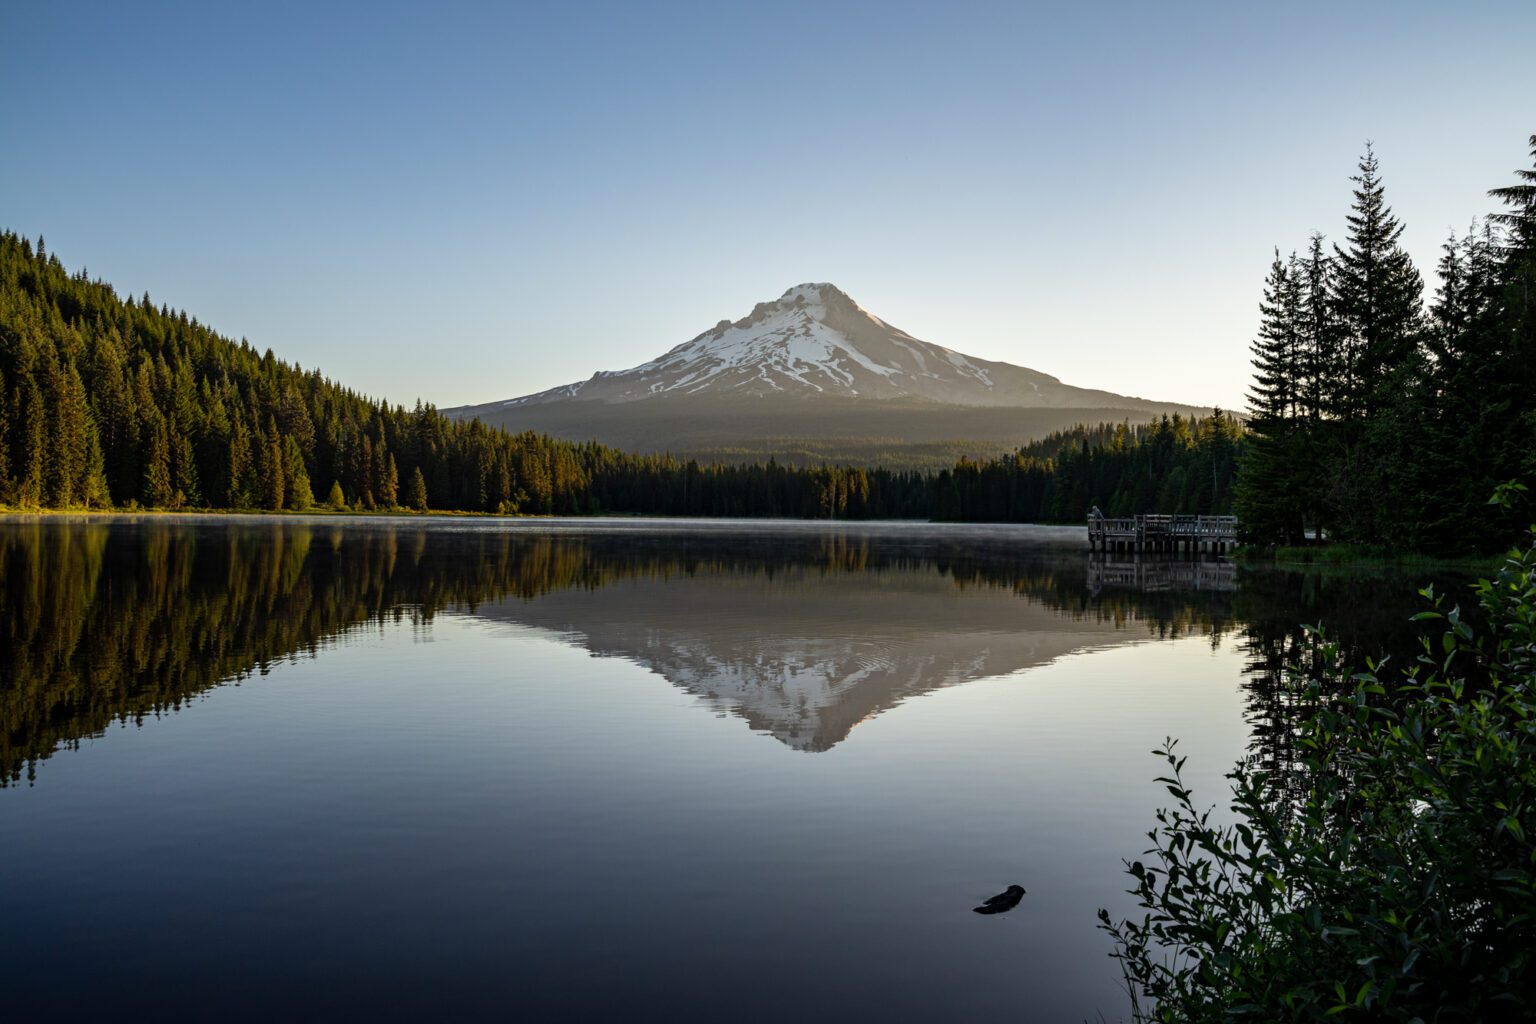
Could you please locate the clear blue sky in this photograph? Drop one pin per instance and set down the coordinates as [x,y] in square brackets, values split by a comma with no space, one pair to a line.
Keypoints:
[466,202]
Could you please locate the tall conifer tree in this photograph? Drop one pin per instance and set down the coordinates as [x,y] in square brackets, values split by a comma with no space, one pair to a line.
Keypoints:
[1270,508]
[159,483]
[389,489]
[1377,300]
[69,433]
[1378,296]
[112,399]
[1519,219]
[1513,319]
[32,446]
[1321,358]
[297,493]
[184,472]
[416,490]
[7,403]
[96,493]
[272,469]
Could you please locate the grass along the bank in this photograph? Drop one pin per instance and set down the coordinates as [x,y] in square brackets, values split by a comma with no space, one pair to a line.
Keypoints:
[1358,555]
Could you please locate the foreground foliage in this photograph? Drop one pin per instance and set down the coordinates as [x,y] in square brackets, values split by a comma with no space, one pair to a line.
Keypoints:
[1394,878]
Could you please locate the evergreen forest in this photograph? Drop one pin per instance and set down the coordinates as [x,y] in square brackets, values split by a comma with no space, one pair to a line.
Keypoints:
[117,403]
[1377,415]
[1380,415]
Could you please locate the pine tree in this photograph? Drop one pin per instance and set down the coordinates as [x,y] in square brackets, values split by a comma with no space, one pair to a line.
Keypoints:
[1377,296]
[239,466]
[271,470]
[1512,339]
[1320,397]
[69,444]
[337,499]
[1449,434]
[32,445]
[7,404]
[416,491]
[159,489]
[1456,303]
[294,420]
[296,488]
[389,487]
[112,400]
[1275,392]
[1377,300]
[1321,358]
[1520,219]
[1269,507]
[145,414]
[184,472]
[96,493]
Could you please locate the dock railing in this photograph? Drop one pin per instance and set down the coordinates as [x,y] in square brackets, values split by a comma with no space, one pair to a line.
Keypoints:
[1164,533]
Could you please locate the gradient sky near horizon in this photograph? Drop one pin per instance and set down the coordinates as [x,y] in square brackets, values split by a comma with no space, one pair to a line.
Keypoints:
[467,202]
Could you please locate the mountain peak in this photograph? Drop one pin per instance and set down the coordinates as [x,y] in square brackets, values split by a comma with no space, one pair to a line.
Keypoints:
[814,291]
[823,297]
[815,341]
[812,365]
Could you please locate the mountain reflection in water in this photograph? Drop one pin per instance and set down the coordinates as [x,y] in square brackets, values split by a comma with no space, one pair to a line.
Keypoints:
[603,769]
[802,635]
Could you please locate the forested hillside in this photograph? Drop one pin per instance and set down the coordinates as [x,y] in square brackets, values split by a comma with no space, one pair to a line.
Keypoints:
[1175,466]
[1378,420]
[120,403]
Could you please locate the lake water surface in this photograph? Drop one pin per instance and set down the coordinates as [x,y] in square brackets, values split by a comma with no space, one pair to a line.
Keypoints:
[308,769]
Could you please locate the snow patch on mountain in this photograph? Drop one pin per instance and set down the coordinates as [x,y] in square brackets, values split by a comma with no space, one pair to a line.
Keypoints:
[813,339]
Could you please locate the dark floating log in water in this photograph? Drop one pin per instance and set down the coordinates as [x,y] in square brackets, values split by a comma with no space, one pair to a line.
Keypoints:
[1003,901]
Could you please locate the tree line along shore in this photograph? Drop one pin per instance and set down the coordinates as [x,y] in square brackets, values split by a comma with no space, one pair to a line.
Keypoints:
[1375,418]
[117,403]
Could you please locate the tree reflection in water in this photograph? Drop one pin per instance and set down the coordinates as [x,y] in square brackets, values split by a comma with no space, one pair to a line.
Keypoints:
[114,620]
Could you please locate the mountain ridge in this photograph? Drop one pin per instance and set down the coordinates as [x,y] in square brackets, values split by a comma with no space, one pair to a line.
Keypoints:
[816,340]
[815,374]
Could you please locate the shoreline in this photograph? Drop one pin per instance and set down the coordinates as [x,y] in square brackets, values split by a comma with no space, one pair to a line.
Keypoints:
[1036,534]
[1325,558]
[1356,556]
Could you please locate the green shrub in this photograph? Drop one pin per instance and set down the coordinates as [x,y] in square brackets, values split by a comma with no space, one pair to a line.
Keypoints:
[1395,879]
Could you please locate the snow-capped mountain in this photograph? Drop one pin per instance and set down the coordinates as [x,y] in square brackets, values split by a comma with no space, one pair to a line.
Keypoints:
[811,377]
[815,340]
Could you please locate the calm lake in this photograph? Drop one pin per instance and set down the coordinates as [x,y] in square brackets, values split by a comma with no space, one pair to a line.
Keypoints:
[303,769]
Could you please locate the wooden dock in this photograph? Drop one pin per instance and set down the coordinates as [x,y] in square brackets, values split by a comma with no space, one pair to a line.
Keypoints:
[1162,534]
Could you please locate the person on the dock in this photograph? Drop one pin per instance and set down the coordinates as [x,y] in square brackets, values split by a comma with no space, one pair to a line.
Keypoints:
[1094,513]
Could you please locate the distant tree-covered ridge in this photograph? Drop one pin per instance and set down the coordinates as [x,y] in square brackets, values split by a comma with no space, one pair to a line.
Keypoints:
[1373,417]
[1175,466]
[109,402]
[112,402]
[1376,419]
